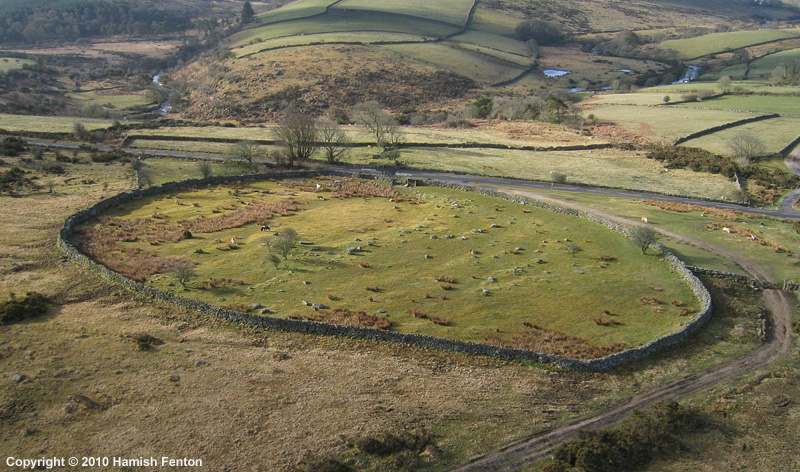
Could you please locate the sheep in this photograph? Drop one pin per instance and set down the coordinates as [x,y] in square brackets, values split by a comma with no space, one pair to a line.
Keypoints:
[233,240]
[727,230]
[644,219]
[265,228]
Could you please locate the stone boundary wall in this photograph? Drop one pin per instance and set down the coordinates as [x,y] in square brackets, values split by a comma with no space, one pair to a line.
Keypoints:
[718,274]
[790,147]
[574,147]
[425,341]
[716,129]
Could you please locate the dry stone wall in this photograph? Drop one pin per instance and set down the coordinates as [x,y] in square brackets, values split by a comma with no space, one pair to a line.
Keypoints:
[317,328]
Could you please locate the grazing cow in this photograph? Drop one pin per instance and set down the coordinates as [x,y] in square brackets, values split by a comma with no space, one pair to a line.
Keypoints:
[727,230]
[644,219]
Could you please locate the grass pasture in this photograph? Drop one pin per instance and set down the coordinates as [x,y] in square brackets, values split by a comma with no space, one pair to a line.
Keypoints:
[13,63]
[395,237]
[778,265]
[668,123]
[343,21]
[116,102]
[476,66]
[492,41]
[605,168]
[454,12]
[49,124]
[719,42]
[350,37]
[296,10]
[776,134]
[750,103]
[762,67]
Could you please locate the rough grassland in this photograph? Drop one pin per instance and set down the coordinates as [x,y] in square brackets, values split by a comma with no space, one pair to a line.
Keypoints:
[775,134]
[355,37]
[454,12]
[579,288]
[88,388]
[476,66]
[49,124]
[12,63]
[719,42]
[117,102]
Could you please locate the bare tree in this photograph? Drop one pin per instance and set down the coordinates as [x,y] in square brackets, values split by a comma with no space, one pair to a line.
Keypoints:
[297,133]
[724,83]
[284,242]
[204,167]
[332,138]
[744,147]
[275,260]
[377,122]
[643,237]
[244,152]
[572,248]
[183,273]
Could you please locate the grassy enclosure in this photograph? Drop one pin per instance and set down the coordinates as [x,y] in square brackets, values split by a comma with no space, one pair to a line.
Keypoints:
[775,134]
[453,12]
[425,255]
[12,63]
[49,124]
[116,102]
[719,42]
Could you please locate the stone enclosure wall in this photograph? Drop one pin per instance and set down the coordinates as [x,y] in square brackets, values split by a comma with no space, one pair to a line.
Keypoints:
[312,327]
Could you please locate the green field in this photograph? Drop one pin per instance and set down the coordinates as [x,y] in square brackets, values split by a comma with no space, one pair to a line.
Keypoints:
[12,63]
[454,12]
[778,265]
[762,67]
[721,42]
[296,10]
[493,21]
[665,122]
[116,102]
[355,37]
[579,287]
[343,21]
[476,66]
[547,137]
[750,86]
[753,103]
[49,124]
[605,168]
[493,41]
[775,134]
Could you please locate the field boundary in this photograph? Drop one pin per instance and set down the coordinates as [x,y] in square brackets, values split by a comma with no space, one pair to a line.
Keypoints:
[425,341]
[574,147]
[719,128]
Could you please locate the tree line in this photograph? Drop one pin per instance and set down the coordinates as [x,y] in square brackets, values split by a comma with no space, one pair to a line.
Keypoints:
[68,20]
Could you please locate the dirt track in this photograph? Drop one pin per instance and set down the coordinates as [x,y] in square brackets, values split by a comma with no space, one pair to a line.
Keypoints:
[517,455]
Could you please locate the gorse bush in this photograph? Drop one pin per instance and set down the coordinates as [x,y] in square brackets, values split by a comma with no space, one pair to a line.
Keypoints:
[19,309]
[639,440]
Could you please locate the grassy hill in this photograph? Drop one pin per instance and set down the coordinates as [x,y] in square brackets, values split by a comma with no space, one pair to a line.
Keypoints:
[347,51]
